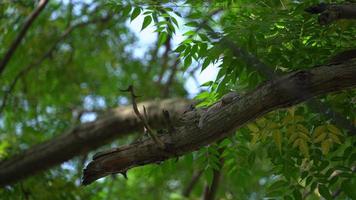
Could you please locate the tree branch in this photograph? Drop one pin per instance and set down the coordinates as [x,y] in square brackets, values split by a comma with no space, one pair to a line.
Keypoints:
[48,54]
[332,12]
[167,86]
[195,177]
[28,22]
[279,93]
[265,71]
[210,191]
[85,137]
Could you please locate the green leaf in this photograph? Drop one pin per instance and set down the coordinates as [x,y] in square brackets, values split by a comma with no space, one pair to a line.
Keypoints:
[278,184]
[313,186]
[352,158]
[323,165]
[308,180]
[333,180]
[304,174]
[324,191]
[162,38]
[208,173]
[203,49]
[189,33]
[204,37]
[146,21]
[251,158]
[348,186]
[347,151]
[192,24]
[180,48]
[194,49]
[175,21]
[187,62]
[205,64]
[126,10]
[171,28]
[297,195]
[287,197]
[136,12]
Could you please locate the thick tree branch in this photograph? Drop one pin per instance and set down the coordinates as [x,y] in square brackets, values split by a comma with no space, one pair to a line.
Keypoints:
[279,93]
[28,22]
[329,13]
[85,137]
[267,72]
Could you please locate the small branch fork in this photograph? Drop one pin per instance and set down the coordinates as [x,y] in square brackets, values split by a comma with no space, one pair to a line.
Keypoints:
[143,118]
[28,22]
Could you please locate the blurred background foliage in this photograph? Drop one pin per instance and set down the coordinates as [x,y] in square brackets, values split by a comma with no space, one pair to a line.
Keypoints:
[78,54]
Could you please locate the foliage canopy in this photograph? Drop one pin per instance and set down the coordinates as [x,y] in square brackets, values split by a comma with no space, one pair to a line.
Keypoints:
[77,55]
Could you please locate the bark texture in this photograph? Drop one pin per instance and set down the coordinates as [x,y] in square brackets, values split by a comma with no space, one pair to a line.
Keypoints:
[86,137]
[282,92]
[329,13]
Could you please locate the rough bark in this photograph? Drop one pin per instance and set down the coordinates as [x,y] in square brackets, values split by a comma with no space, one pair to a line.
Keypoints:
[315,105]
[282,92]
[329,13]
[85,137]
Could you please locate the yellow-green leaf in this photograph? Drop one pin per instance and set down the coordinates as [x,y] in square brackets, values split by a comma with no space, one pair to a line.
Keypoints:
[304,136]
[325,146]
[255,138]
[303,147]
[335,138]
[277,136]
[321,137]
[293,137]
[288,119]
[253,127]
[261,122]
[333,129]
[298,118]
[303,129]
[296,143]
[291,111]
[272,125]
[290,130]
[318,131]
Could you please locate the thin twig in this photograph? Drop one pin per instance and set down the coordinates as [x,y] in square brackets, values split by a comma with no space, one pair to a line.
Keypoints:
[196,176]
[28,22]
[45,56]
[165,92]
[142,118]
[165,59]
[174,70]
